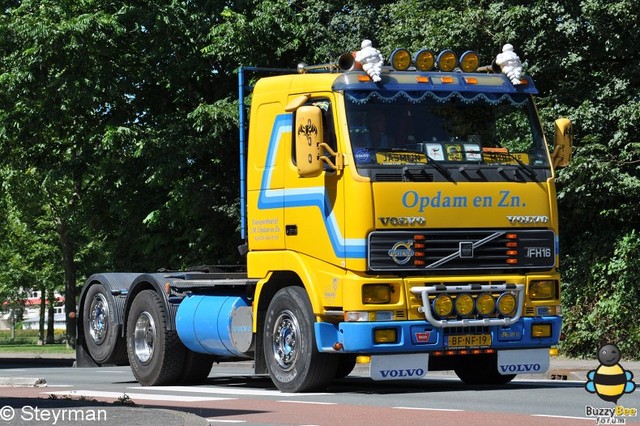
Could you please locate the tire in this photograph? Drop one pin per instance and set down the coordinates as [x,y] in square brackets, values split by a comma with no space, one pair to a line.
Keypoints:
[196,368]
[346,364]
[155,353]
[481,370]
[293,360]
[100,330]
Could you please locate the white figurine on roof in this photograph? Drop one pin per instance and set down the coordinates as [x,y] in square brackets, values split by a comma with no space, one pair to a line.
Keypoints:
[371,60]
[510,64]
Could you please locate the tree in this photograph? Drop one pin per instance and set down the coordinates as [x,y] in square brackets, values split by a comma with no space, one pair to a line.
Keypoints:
[124,118]
[99,110]
[584,67]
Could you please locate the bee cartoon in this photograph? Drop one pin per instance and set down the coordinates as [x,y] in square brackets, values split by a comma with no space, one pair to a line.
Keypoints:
[609,381]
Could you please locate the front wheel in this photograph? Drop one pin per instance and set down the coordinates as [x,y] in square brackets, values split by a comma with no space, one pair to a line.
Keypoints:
[155,353]
[293,360]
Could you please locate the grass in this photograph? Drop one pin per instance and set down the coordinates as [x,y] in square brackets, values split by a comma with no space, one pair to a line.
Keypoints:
[25,341]
[54,348]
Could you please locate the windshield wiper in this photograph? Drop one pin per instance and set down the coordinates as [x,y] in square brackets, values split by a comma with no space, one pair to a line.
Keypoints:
[443,170]
[527,168]
[430,161]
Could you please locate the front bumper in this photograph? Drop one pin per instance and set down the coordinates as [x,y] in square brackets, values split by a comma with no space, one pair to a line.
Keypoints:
[421,336]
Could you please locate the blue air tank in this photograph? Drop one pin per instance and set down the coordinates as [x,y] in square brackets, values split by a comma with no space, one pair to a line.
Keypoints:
[216,324]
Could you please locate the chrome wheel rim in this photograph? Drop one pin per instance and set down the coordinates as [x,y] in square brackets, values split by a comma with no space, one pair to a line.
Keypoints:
[144,336]
[285,340]
[98,318]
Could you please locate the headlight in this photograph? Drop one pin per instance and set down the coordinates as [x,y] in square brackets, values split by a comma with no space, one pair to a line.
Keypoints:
[447,60]
[469,61]
[385,335]
[541,330]
[485,304]
[400,59]
[506,304]
[543,290]
[443,305]
[424,60]
[376,293]
[464,305]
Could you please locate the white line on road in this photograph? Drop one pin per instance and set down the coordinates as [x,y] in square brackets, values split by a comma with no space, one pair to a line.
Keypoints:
[210,420]
[426,409]
[308,402]
[134,396]
[225,391]
[563,417]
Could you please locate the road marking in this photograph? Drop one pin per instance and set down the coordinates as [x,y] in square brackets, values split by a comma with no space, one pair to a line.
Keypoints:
[210,420]
[226,391]
[134,396]
[427,409]
[562,417]
[308,402]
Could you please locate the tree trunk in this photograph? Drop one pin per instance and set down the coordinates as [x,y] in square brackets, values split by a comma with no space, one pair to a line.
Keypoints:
[67,248]
[51,318]
[43,307]
[13,324]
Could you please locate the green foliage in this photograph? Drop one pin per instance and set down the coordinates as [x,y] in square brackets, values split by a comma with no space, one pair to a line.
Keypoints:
[118,128]
[24,337]
[603,308]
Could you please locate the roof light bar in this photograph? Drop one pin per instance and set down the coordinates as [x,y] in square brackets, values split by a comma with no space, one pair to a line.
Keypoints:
[424,60]
[469,61]
[400,59]
[447,60]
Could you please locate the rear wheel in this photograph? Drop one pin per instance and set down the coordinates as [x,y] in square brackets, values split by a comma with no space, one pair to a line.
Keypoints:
[293,360]
[155,353]
[481,370]
[100,331]
[196,368]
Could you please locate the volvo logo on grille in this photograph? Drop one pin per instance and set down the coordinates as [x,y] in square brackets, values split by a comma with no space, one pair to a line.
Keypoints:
[527,219]
[403,221]
[466,249]
[401,252]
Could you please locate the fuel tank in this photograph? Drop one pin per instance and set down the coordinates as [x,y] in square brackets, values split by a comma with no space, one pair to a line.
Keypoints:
[216,324]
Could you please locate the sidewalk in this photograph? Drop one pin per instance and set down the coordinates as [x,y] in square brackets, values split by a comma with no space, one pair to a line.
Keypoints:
[577,369]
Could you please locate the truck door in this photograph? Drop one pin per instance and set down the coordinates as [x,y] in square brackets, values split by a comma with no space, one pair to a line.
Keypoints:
[265,181]
[314,206]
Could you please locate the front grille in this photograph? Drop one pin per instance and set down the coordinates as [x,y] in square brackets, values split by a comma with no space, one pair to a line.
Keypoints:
[467,330]
[454,250]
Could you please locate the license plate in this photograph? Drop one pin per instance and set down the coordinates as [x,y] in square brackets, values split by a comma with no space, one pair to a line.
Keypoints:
[469,340]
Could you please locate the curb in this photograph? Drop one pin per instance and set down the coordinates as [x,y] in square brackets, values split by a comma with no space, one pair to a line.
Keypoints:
[23,382]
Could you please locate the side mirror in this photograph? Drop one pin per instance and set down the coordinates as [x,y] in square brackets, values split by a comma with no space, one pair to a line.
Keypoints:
[309,133]
[310,145]
[563,144]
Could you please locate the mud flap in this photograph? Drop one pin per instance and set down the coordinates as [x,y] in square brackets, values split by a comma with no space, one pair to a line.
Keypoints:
[523,361]
[399,367]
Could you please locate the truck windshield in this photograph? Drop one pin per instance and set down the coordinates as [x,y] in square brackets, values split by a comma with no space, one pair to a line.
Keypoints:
[404,128]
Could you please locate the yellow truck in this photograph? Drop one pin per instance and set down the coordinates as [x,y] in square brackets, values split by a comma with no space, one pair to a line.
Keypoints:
[407,219]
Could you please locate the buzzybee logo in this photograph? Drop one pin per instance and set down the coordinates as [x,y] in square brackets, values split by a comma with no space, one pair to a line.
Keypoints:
[610,381]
